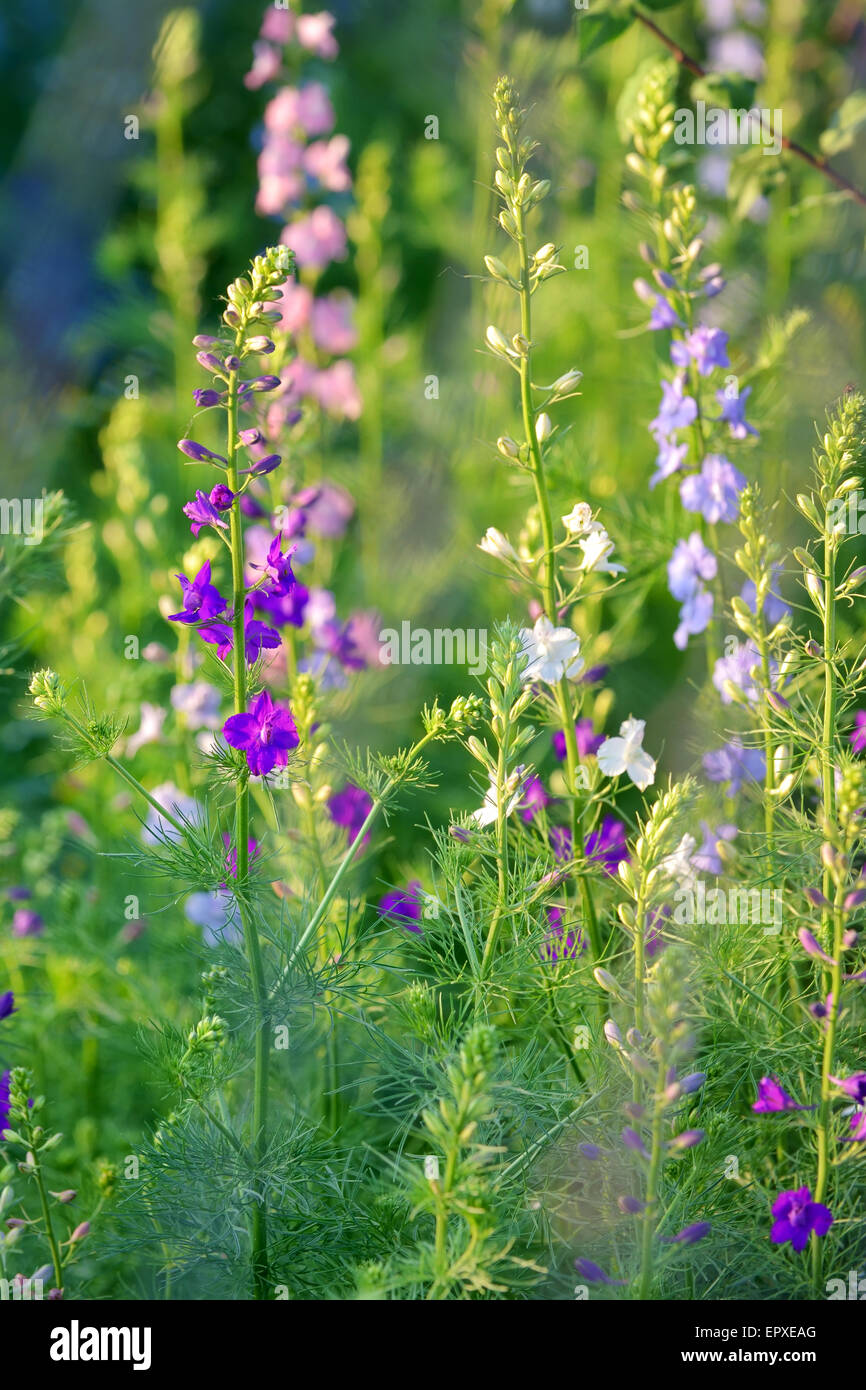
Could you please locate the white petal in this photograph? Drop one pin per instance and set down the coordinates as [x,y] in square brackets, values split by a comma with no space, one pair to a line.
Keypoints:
[641,769]
[611,756]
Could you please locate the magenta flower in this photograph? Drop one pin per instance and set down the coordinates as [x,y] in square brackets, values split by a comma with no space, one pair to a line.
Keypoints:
[266,733]
[772,1099]
[316,239]
[403,906]
[533,798]
[201,599]
[588,742]
[331,321]
[810,945]
[853,1086]
[797,1216]
[349,808]
[26,922]
[858,737]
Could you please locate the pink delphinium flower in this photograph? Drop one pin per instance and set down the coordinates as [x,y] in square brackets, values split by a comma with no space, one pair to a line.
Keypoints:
[331,323]
[316,239]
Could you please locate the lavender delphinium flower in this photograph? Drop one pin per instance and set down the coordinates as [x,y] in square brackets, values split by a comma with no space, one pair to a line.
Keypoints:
[734,764]
[797,1217]
[706,857]
[742,669]
[715,491]
[690,565]
[706,347]
[733,412]
[858,738]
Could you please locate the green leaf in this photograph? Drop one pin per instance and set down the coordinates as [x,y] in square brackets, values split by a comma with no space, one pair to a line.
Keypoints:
[845,124]
[596,30]
[660,4]
[727,90]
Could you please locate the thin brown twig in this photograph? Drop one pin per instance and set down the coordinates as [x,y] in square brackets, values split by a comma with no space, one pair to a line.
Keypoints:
[693,66]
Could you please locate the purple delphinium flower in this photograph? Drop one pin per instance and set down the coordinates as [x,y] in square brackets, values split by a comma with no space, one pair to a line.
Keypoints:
[797,1216]
[773,1099]
[4,1099]
[774,606]
[695,616]
[206,396]
[858,1128]
[858,737]
[18,894]
[349,808]
[201,599]
[27,922]
[286,608]
[588,742]
[707,858]
[733,412]
[690,565]
[706,347]
[607,845]
[589,1270]
[560,843]
[7,1004]
[812,947]
[257,635]
[336,640]
[853,1086]
[689,1235]
[633,1141]
[669,460]
[403,906]
[198,453]
[715,491]
[734,764]
[654,942]
[533,798]
[222,497]
[677,410]
[266,733]
[202,512]
[560,944]
[231,864]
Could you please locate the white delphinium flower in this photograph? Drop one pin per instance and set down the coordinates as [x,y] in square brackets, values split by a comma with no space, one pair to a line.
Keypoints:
[497,545]
[579,520]
[488,812]
[151,720]
[626,754]
[553,652]
[597,548]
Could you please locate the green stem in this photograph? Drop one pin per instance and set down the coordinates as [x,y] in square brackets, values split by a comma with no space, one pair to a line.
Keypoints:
[563,690]
[823,1133]
[258,1221]
[49,1228]
[650,1215]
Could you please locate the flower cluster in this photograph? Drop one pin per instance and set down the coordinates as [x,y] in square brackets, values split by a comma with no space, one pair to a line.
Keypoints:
[302,165]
